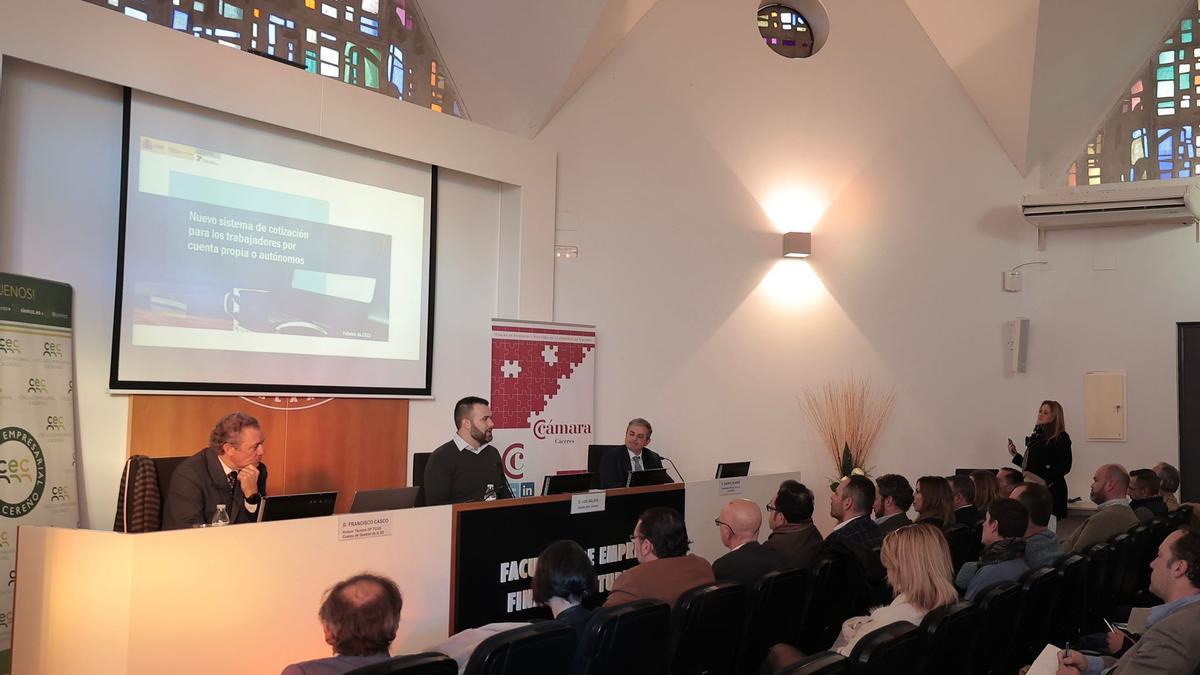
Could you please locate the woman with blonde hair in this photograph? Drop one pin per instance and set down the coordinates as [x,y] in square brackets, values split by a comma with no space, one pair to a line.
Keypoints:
[1047,454]
[987,488]
[917,561]
[933,501]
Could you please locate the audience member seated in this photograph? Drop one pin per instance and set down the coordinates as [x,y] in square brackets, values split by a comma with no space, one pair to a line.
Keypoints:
[1003,555]
[917,560]
[794,539]
[962,491]
[665,569]
[934,501]
[564,576]
[1168,477]
[229,472]
[893,499]
[1008,478]
[1110,485]
[1041,545]
[1171,643]
[850,504]
[987,488]
[360,617]
[1144,497]
[747,560]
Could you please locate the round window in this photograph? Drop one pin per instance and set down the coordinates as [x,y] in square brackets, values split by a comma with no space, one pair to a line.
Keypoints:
[785,31]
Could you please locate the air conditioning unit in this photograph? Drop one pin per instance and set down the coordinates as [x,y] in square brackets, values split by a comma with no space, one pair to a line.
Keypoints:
[1110,206]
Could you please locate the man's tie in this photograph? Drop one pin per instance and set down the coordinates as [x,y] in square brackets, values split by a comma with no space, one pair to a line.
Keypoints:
[637,463]
[232,481]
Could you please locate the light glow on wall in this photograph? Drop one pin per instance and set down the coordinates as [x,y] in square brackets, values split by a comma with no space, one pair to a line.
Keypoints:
[793,284]
[794,208]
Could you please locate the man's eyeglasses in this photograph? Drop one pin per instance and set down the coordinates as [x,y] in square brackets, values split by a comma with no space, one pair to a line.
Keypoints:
[771,508]
[635,536]
[718,523]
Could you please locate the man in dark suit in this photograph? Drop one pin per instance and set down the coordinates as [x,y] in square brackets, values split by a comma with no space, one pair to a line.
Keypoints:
[893,499]
[228,472]
[665,569]
[1144,497]
[360,617]
[462,469]
[794,539]
[747,560]
[963,489]
[851,505]
[619,460]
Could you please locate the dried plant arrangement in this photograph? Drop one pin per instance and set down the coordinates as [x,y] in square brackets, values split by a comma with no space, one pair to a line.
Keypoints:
[848,415]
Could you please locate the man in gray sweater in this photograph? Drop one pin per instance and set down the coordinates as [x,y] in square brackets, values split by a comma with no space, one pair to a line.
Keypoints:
[1113,516]
[1041,545]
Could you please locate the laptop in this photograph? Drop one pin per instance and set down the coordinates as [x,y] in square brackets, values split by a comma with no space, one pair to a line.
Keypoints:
[565,483]
[647,477]
[387,499]
[291,507]
[733,469]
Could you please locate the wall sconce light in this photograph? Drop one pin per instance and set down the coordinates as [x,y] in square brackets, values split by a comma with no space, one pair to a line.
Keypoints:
[1012,277]
[797,244]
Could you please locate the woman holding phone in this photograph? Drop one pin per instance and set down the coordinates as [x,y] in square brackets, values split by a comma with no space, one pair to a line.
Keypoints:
[1048,453]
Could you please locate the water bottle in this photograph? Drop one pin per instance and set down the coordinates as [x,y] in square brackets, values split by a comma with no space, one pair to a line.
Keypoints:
[489,495]
[221,517]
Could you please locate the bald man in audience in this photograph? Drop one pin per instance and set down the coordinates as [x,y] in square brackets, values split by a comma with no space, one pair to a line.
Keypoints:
[747,560]
[1110,485]
[360,617]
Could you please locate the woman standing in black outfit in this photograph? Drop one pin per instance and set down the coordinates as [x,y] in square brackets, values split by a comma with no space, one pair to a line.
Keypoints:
[1048,453]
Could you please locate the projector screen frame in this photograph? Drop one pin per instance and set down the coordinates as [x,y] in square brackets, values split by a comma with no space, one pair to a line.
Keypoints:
[120,386]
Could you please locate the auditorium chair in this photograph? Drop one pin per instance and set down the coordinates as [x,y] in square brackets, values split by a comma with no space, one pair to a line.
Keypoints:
[707,628]
[773,615]
[543,648]
[821,663]
[825,605]
[893,649]
[628,639]
[420,459]
[1039,597]
[141,499]
[1123,577]
[427,663]
[946,636]
[958,537]
[1070,615]
[1100,563]
[999,605]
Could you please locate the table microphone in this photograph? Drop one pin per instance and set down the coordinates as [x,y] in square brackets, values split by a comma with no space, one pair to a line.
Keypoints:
[668,459]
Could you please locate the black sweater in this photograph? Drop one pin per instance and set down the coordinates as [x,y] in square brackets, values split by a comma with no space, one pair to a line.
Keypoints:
[453,476]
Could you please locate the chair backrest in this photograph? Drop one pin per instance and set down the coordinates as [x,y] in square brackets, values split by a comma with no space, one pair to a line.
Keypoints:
[821,663]
[825,607]
[544,648]
[1000,605]
[595,453]
[427,663]
[958,537]
[165,468]
[1071,612]
[1039,597]
[1100,564]
[947,633]
[1127,551]
[420,459]
[773,615]
[893,649]
[707,629]
[628,639]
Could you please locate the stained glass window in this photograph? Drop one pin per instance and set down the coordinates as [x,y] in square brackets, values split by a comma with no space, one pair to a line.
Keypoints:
[785,31]
[382,45]
[1153,126]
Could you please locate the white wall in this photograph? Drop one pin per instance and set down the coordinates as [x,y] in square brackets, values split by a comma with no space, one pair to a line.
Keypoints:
[59,187]
[666,159]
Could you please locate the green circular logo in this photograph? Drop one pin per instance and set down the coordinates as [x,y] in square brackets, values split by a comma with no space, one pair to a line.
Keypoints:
[19,470]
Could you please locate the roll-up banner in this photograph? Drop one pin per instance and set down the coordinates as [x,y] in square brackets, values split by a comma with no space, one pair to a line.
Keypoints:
[543,385]
[37,422]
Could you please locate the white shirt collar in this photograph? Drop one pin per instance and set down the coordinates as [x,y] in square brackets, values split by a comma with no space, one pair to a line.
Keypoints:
[224,466]
[845,523]
[463,445]
[1113,502]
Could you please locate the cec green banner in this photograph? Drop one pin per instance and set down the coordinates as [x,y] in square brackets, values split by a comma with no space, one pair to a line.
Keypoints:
[37,422]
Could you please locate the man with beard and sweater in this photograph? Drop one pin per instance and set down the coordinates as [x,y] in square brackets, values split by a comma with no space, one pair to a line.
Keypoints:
[463,468]
[1003,555]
